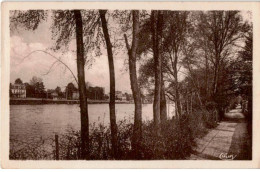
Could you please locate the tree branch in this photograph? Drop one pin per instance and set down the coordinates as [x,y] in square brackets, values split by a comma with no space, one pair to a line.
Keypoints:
[127,44]
[51,67]
[53,64]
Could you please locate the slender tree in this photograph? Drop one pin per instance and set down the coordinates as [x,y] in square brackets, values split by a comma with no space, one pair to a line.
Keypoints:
[163,103]
[132,53]
[82,86]
[156,27]
[30,20]
[112,108]
[175,35]
[146,74]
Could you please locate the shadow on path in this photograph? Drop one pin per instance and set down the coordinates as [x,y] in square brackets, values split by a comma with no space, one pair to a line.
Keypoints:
[228,141]
[241,145]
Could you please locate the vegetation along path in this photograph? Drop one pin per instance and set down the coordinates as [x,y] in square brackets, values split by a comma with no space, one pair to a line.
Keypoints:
[228,141]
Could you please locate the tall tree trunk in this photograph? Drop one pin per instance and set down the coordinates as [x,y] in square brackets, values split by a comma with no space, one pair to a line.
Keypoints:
[191,102]
[155,23]
[112,109]
[177,94]
[206,75]
[220,110]
[216,75]
[82,87]
[195,83]
[163,105]
[137,135]
[187,103]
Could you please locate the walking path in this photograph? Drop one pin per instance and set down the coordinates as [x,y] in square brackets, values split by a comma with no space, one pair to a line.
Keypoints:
[228,134]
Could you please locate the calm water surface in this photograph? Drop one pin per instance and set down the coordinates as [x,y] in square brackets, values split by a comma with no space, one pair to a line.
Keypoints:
[29,121]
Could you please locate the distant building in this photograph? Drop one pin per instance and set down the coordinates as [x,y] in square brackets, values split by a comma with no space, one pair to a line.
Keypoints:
[54,95]
[18,90]
[75,95]
[124,97]
[119,95]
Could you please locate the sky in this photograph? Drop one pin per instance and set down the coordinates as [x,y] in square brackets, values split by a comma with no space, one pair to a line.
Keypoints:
[23,42]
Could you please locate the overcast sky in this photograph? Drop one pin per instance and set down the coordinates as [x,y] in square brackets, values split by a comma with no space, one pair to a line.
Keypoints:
[23,42]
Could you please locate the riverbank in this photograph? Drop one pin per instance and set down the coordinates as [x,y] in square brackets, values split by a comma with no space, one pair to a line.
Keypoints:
[36,101]
[174,143]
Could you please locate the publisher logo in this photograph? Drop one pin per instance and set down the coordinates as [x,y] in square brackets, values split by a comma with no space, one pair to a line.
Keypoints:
[226,156]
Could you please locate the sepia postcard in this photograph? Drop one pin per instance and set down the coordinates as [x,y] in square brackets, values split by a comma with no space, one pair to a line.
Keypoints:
[130,85]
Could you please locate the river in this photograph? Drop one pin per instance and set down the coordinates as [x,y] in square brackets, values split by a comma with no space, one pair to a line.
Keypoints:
[30,121]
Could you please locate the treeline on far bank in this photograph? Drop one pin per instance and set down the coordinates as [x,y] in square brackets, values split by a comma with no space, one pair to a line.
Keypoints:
[36,89]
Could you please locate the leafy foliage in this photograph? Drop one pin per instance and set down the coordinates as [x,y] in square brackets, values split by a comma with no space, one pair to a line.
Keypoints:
[29,19]
[18,81]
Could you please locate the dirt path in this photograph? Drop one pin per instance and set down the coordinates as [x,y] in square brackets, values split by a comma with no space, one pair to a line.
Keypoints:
[228,141]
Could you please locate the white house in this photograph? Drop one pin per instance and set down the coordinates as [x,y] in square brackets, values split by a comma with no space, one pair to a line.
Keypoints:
[18,90]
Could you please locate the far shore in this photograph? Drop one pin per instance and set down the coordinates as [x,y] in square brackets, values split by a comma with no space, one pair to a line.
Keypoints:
[38,101]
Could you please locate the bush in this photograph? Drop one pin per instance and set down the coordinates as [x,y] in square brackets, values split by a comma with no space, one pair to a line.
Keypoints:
[32,149]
